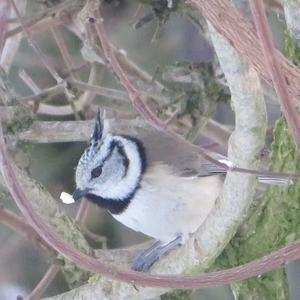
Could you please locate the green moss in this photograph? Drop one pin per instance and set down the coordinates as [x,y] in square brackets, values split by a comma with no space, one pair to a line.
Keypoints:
[94,279]
[67,228]
[195,91]
[177,295]
[18,118]
[44,204]
[273,223]
[274,219]
[291,49]
[267,286]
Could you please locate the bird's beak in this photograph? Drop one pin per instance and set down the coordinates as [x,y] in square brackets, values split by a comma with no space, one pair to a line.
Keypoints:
[78,193]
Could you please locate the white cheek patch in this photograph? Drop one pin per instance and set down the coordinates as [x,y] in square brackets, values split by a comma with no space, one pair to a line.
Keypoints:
[66,198]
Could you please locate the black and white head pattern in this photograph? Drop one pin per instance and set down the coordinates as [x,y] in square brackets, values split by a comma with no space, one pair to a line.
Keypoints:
[110,169]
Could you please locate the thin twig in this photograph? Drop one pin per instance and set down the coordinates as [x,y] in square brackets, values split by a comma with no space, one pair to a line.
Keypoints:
[88,97]
[217,132]
[116,68]
[64,51]
[82,212]
[4,11]
[45,281]
[35,25]
[35,46]
[29,81]
[73,131]
[54,268]
[17,224]
[39,94]
[134,70]
[69,64]
[99,90]
[54,15]
[80,219]
[44,95]
[264,33]
[228,22]
[112,93]
[43,59]
[94,237]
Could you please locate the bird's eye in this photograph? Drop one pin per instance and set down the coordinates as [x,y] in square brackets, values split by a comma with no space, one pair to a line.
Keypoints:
[96,172]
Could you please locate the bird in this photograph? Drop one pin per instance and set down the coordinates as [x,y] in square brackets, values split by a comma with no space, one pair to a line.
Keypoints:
[150,183]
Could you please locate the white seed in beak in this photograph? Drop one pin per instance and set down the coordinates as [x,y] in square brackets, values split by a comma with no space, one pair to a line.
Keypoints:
[66,198]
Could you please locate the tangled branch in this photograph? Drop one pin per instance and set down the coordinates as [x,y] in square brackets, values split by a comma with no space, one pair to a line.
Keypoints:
[254,268]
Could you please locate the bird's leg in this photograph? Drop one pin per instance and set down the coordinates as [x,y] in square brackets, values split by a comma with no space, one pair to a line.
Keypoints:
[147,258]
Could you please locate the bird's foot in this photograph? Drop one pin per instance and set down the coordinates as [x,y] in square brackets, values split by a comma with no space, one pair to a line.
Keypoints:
[147,258]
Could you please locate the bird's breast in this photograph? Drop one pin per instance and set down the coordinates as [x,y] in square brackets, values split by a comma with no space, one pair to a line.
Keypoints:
[167,205]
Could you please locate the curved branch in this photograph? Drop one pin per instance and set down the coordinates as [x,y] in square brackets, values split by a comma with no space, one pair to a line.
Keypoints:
[17,224]
[73,131]
[46,280]
[280,85]
[240,34]
[113,63]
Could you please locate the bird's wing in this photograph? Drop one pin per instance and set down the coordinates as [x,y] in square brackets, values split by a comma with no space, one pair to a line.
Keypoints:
[161,147]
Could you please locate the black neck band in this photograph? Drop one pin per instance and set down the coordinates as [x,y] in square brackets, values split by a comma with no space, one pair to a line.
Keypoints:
[113,206]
